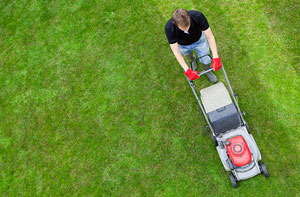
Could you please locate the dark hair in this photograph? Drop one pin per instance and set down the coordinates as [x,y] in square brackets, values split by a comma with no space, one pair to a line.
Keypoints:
[181,17]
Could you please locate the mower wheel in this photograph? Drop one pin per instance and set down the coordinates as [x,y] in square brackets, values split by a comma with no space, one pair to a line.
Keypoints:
[264,169]
[214,139]
[233,180]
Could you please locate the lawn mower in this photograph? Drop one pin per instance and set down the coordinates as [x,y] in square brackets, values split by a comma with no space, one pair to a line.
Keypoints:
[229,131]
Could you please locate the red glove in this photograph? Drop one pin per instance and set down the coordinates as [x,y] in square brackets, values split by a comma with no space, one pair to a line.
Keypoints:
[216,63]
[192,75]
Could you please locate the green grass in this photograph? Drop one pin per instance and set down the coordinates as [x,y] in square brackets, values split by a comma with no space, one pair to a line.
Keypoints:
[93,101]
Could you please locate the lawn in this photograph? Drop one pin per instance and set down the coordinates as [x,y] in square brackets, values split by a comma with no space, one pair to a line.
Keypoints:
[92,101]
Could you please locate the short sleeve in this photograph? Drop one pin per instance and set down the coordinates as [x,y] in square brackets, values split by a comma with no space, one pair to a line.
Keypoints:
[169,33]
[201,20]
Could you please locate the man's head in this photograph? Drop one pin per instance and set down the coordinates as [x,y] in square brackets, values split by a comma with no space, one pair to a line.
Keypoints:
[181,18]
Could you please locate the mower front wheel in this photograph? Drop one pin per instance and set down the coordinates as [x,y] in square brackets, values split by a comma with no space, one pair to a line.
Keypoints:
[233,180]
[264,169]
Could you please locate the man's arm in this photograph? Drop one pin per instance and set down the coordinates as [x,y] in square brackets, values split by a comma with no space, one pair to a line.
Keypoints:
[192,75]
[178,56]
[216,62]
[212,42]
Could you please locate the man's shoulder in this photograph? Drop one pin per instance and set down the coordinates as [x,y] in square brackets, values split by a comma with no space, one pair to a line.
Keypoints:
[194,13]
[169,25]
[170,31]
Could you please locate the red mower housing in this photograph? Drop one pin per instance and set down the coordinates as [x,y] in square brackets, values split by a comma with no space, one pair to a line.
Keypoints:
[238,151]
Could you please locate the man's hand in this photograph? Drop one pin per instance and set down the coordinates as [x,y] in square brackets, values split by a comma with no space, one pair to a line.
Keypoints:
[216,63]
[192,75]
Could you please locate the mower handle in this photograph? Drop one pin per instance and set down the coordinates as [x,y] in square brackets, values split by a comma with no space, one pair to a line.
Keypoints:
[198,58]
[205,71]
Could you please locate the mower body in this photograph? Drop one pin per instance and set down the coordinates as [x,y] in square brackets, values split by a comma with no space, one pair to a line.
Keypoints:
[236,146]
[248,167]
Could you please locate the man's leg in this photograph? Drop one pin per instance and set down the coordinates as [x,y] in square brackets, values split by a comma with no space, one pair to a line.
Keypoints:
[188,52]
[202,48]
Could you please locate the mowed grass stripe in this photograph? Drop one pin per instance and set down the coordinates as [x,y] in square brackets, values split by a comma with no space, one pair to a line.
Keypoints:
[255,72]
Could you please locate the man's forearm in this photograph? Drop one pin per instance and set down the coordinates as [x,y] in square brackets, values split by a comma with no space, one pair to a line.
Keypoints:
[179,57]
[181,61]
[211,42]
[213,46]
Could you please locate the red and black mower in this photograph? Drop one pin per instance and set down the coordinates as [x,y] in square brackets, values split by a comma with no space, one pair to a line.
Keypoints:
[234,142]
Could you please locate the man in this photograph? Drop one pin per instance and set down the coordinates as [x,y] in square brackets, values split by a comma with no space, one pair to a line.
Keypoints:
[187,31]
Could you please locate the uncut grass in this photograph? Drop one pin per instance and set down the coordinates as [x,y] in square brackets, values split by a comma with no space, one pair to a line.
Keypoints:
[95,103]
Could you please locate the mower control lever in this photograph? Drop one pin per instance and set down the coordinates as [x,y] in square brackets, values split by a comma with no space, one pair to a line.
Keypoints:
[205,71]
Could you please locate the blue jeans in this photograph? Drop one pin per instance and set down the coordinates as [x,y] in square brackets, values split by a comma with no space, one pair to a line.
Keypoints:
[201,47]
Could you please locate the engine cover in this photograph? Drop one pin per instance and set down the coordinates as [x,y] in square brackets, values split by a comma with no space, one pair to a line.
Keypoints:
[238,151]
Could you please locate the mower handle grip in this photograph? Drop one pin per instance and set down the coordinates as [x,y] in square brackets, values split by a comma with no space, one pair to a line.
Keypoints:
[205,71]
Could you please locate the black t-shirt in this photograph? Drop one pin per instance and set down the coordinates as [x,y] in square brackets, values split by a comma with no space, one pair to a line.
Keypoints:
[198,24]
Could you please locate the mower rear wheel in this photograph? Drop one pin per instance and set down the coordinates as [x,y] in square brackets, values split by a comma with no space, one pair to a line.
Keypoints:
[264,169]
[233,180]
